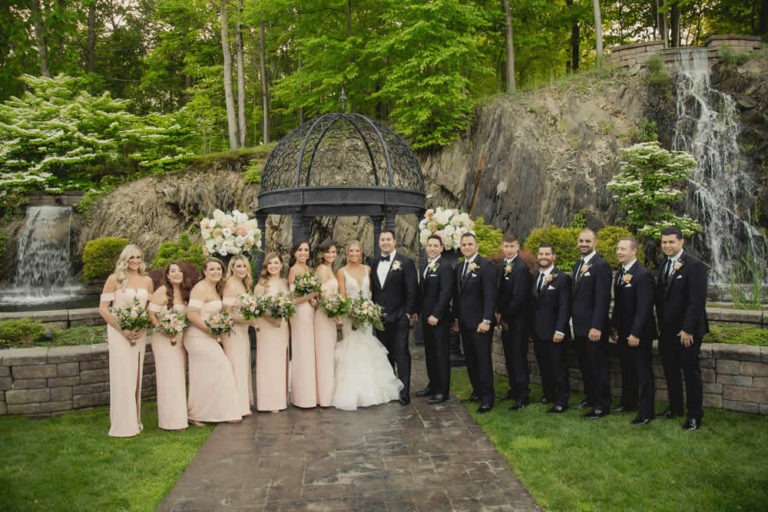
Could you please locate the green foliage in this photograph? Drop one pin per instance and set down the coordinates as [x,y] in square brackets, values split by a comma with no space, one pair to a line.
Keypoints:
[100,256]
[488,238]
[737,334]
[747,269]
[20,331]
[579,220]
[649,182]
[252,172]
[79,335]
[562,239]
[607,240]
[731,58]
[183,250]
[3,250]
[658,76]
[646,132]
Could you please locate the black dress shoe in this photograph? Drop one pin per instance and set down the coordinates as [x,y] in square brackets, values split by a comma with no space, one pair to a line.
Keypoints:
[557,409]
[641,421]
[621,408]
[519,404]
[596,413]
[424,392]
[438,398]
[668,415]
[484,408]
[544,401]
[405,399]
[583,404]
[692,424]
[509,395]
[472,398]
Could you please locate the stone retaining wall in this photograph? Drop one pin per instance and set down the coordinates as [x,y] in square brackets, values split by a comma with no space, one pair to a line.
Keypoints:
[637,54]
[60,318]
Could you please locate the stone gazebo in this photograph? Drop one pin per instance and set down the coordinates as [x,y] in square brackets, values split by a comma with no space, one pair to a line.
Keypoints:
[341,164]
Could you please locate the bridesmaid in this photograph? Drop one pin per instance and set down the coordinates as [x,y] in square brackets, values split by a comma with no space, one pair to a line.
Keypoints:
[325,328]
[271,342]
[303,382]
[170,356]
[212,390]
[237,346]
[126,348]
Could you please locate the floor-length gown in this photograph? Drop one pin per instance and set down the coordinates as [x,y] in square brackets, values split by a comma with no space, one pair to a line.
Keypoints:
[171,378]
[272,363]
[212,390]
[325,347]
[303,382]
[237,347]
[364,375]
[126,365]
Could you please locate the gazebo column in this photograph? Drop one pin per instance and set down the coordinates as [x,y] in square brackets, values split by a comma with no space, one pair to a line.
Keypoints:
[377,220]
[300,226]
[390,220]
[418,332]
[261,221]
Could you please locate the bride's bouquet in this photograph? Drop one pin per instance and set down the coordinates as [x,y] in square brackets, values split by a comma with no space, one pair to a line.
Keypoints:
[229,233]
[279,306]
[251,307]
[448,224]
[364,311]
[305,284]
[219,323]
[172,323]
[133,317]
[334,305]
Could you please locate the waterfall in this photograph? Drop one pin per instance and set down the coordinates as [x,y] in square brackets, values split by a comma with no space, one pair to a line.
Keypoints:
[722,192]
[43,268]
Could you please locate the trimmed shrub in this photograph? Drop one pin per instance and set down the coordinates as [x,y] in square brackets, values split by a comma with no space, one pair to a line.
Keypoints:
[562,239]
[488,239]
[182,250]
[608,238]
[20,331]
[100,256]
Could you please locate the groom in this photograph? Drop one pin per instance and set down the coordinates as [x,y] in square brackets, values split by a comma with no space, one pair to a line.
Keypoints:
[394,288]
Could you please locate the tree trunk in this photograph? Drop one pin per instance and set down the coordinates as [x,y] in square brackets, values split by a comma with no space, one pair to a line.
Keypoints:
[574,63]
[511,85]
[661,22]
[228,92]
[598,31]
[264,82]
[762,27]
[674,21]
[242,128]
[349,34]
[41,38]
[90,49]
[298,64]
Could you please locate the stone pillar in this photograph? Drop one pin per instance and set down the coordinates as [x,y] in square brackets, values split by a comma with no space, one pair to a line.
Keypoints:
[418,333]
[300,229]
[377,220]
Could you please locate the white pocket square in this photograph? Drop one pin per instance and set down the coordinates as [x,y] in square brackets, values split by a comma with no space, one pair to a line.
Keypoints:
[586,274]
[627,285]
[550,287]
[473,275]
[679,277]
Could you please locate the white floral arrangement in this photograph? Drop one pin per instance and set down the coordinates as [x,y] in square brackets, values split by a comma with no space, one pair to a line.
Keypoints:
[447,223]
[229,233]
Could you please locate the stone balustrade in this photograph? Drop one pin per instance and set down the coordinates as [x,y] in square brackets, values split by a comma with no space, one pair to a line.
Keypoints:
[637,54]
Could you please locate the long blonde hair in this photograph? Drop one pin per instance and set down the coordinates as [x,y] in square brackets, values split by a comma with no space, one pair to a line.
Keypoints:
[264,275]
[121,267]
[362,256]
[248,281]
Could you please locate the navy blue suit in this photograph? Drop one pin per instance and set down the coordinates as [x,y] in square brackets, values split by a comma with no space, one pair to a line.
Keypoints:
[513,304]
[437,290]
[475,301]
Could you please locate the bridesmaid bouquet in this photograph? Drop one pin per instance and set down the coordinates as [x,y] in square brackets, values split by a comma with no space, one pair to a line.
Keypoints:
[134,317]
[364,311]
[448,224]
[229,233]
[172,323]
[251,307]
[305,284]
[219,323]
[334,305]
[279,306]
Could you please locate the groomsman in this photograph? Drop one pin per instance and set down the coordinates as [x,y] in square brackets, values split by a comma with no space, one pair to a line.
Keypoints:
[633,321]
[681,291]
[591,302]
[395,288]
[513,305]
[437,283]
[552,309]
[475,303]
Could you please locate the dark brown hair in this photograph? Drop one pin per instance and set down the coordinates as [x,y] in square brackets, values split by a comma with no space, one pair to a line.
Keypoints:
[189,280]
[220,284]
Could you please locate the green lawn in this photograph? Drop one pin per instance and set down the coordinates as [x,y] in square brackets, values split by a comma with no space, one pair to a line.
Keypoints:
[571,463]
[69,462]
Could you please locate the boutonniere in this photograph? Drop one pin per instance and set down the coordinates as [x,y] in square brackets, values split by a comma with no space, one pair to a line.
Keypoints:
[472,266]
[433,267]
[549,277]
[585,268]
[678,265]
[627,278]
[507,269]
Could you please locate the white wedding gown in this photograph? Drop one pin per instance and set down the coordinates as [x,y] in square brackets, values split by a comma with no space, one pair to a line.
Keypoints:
[363,374]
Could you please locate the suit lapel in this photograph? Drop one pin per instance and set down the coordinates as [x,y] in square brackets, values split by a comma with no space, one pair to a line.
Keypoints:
[674,275]
[375,272]
[391,264]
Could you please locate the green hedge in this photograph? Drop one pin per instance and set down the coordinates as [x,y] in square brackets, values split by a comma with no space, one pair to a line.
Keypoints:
[607,240]
[20,332]
[737,335]
[100,256]
[562,239]
[488,238]
[182,250]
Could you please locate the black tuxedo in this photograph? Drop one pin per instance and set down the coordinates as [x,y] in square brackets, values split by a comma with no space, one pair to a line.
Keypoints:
[437,290]
[633,315]
[591,303]
[398,297]
[475,301]
[551,311]
[680,305]
[513,304]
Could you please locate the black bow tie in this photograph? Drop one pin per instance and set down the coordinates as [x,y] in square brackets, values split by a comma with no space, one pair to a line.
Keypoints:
[385,258]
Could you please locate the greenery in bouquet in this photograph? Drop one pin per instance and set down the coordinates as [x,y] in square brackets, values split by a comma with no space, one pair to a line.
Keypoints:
[305,284]
[334,305]
[251,307]
[220,323]
[229,233]
[172,323]
[364,311]
[133,317]
[449,224]
[279,306]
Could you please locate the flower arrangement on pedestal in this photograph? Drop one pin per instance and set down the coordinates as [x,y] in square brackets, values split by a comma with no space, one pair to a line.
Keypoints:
[225,234]
[447,223]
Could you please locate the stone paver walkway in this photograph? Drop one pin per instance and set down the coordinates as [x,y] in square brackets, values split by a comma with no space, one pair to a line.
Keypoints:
[388,457]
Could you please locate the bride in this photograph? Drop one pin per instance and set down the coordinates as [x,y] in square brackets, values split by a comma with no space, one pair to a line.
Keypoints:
[363,374]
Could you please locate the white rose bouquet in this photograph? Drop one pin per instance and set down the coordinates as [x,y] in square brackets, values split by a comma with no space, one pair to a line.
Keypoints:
[172,323]
[219,323]
[251,307]
[133,317]
[229,233]
[279,306]
[448,224]
[364,311]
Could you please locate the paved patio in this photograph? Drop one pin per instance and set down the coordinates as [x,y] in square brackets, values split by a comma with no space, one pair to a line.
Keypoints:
[388,457]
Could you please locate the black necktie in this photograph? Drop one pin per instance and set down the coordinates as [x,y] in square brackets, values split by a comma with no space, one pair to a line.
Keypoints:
[540,283]
[385,258]
[578,270]
[667,269]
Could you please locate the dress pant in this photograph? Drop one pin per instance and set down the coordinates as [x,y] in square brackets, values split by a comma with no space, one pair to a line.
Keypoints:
[436,339]
[394,337]
[477,352]
[675,358]
[596,370]
[553,368]
[515,341]
[637,376]
[581,347]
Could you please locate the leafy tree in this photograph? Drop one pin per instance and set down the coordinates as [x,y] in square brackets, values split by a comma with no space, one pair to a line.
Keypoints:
[562,239]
